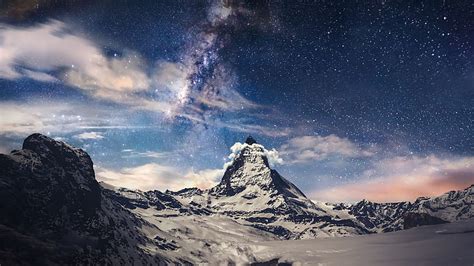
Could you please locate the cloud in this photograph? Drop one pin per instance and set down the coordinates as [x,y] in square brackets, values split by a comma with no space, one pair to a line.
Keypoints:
[24,9]
[30,117]
[89,135]
[37,50]
[4,150]
[177,83]
[59,55]
[403,178]
[272,155]
[156,176]
[305,149]
[19,9]
[130,153]
[239,126]
[39,76]
[57,118]
[204,179]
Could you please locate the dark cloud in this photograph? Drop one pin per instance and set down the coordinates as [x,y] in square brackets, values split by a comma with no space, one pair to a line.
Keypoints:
[19,10]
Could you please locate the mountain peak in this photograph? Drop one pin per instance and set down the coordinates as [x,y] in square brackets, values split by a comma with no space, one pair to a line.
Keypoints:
[63,154]
[250,170]
[42,145]
[250,140]
[33,141]
[59,179]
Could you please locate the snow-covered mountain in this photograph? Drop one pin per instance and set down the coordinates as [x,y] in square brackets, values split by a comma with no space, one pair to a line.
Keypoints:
[442,244]
[386,217]
[253,194]
[52,205]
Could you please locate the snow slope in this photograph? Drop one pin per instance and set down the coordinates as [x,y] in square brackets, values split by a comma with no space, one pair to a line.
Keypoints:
[446,244]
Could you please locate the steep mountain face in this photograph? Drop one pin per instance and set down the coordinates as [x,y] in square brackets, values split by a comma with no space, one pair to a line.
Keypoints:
[54,211]
[250,172]
[250,185]
[47,180]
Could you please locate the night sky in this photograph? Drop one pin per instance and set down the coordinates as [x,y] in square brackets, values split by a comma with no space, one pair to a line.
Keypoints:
[352,99]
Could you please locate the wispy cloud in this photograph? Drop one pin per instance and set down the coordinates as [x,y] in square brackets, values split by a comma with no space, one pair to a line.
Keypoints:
[265,130]
[84,65]
[89,136]
[306,149]
[402,178]
[57,117]
[130,153]
[156,176]
[4,150]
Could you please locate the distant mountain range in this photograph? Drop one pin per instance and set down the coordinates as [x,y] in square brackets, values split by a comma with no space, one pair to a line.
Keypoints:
[55,212]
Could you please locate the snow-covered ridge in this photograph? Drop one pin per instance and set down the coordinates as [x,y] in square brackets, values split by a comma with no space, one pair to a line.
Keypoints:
[253,194]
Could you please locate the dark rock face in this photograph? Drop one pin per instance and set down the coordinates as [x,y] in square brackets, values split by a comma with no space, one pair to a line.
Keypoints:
[413,219]
[250,140]
[379,215]
[45,183]
[53,211]
[186,192]
[132,199]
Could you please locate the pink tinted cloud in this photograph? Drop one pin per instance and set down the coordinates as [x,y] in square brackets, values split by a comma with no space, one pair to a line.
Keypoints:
[404,178]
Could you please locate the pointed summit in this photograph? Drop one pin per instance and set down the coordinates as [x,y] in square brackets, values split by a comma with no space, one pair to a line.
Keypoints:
[250,140]
[250,173]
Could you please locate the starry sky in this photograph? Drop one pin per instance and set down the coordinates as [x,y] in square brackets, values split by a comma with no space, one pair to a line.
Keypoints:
[352,99]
